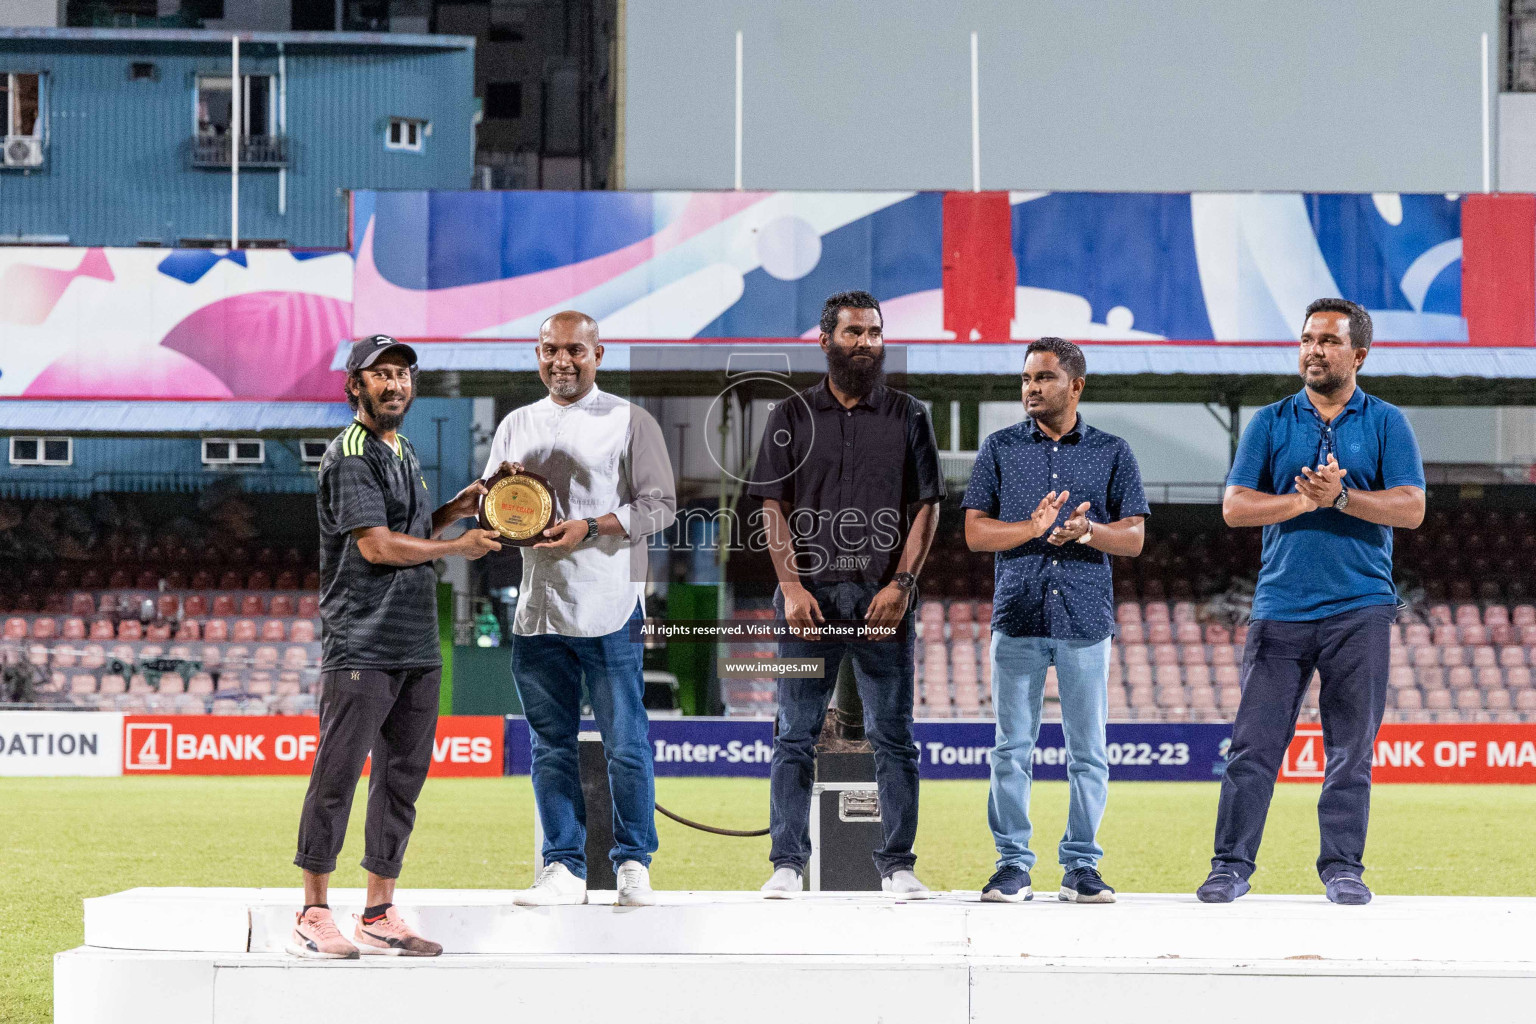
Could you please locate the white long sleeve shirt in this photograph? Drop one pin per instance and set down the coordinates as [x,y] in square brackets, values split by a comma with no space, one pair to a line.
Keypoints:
[600,454]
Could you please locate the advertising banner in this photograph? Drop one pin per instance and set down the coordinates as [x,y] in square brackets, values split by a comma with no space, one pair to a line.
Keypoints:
[1425,752]
[61,743]
[1138,751]
[283,745]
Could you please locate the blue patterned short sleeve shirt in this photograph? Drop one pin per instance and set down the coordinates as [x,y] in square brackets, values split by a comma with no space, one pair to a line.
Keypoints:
[1066,592]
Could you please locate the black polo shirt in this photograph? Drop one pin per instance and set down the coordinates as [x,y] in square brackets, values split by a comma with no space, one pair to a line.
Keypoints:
[851,477]
[374,616]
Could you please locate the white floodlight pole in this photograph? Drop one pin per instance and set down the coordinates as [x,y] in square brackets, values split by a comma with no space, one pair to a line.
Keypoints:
[975,117]
[234,142]
[738,110]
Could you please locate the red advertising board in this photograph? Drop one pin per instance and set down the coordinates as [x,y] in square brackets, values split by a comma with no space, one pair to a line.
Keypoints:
[1423,752]
[285,745]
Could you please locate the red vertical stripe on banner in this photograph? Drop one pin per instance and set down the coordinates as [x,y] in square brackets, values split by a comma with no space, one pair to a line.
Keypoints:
[979,272]
[1498,269]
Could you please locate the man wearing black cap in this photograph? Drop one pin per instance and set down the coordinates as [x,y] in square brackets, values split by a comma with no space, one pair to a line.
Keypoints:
[381,663]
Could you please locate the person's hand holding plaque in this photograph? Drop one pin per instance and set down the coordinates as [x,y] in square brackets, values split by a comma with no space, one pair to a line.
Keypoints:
[517,504]
[564,536]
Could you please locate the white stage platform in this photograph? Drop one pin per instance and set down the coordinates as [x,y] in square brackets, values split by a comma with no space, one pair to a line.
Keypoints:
[194,956]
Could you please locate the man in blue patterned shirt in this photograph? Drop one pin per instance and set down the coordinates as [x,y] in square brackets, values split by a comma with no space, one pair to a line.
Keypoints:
[1053,605]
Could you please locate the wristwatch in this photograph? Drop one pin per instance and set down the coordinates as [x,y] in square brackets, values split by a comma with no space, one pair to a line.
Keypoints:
[905,580]
[1342,500]
[591,530]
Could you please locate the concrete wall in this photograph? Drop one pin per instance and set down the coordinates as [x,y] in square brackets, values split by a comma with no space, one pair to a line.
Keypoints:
[31,13]
[1517,141]
[1136,95]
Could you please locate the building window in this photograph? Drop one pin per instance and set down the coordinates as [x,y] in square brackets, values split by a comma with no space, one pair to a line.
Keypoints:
[312,451]
[405,133]
[219,451]
[21,119]
[42,451]
[503,100]
[213,107]
[143,71]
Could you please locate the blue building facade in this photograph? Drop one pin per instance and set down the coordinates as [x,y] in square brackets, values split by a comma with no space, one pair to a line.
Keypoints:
[122,137]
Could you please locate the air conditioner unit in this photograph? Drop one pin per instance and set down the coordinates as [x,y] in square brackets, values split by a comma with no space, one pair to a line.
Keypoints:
[22,151]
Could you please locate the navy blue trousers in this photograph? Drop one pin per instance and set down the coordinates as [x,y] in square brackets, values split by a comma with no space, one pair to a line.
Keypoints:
[1351,652]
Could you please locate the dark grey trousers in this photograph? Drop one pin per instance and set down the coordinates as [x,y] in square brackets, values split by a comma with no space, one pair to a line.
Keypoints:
[1351,652]
[392,715]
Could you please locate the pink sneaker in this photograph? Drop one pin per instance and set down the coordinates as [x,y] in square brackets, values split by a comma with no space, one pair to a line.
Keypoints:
[391,936]
[316,936]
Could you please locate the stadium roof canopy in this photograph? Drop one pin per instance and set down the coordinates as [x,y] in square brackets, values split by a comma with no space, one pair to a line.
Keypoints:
[148,417]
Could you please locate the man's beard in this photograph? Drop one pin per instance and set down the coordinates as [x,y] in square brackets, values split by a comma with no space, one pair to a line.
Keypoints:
[383,422]
[855,378]
[565,387]
[1330,384]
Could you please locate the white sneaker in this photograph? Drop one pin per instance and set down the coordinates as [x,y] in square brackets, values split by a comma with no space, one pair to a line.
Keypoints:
[635,885]
[785,884]
[555,887]
[904,884]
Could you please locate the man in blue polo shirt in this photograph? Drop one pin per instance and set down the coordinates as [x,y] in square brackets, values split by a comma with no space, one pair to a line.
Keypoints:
[1054,605]
[1328,473]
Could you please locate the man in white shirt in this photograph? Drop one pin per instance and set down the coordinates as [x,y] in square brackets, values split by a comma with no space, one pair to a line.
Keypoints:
[608,470]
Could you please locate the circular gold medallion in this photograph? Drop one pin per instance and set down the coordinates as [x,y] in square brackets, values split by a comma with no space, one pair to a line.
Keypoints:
[519,507]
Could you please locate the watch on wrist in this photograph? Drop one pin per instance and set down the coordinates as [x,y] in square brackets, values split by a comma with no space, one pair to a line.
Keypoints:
[905,580]
[1342,501]
[591,530]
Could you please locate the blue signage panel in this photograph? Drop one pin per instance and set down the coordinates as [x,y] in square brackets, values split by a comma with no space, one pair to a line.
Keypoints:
[1138,751]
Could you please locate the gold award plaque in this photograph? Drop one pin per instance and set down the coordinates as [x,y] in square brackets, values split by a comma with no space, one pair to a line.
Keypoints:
[519,506]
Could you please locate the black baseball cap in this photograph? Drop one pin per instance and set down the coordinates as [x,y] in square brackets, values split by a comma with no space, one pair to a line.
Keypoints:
[367,351]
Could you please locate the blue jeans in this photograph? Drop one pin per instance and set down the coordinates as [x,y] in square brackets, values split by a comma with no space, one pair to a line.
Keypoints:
[1018,688]
[883,671]
[548,671]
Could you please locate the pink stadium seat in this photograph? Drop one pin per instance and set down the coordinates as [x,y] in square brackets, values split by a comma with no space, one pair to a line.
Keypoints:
[1141,696]
[1197,675]
[224,606]
[1159,633]
[15,628]
[252,606]
[1397,656]
[1127,612]
[190,629]
[1135,654]
[1426,657]
[1409,700]
[93,656]
[1227,675]
[1528,635]
[1223,654]
[64,656]
[304,631]
[1498,636]
[1229,697]
[83,605]
[1490,678]
[1469,700]
[1453,655]
[113,684]
[1165,654]
[1512,656]
[1460,678]
[265,657]
[1468,614]
[1443,635]
[261,579]
[1438,700]
[45,628]
[282,606]
[1188,633]
[1416,635]
[1168,676]
[272,631]
[167,606]
[1483,657]
[1155,611]
[287,580]
[1440,613]
[1116,675]
[311,582]
[129,629]
[1133,633]
[1431,678]
[1475,636]
[1523,615]
[195,606]
[216,630]
[309,606]
[74,628]
[1183,611]
[1240,635]
[1498,700]
[1525,700]
[200,683]
[37,654]
[83,682]
[159,631]
[139,684]
[237,657]
[244,631]
[288,684]
[1496,615]
[101,629]
[1171,697]
[260,684]
[1192,654]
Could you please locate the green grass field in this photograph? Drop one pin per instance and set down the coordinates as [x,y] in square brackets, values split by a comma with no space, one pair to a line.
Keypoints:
[66,839]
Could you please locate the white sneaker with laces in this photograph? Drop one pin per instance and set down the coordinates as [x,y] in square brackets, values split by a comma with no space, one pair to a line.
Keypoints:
[635,885]
[555,887]
[904,883]
[785,884]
